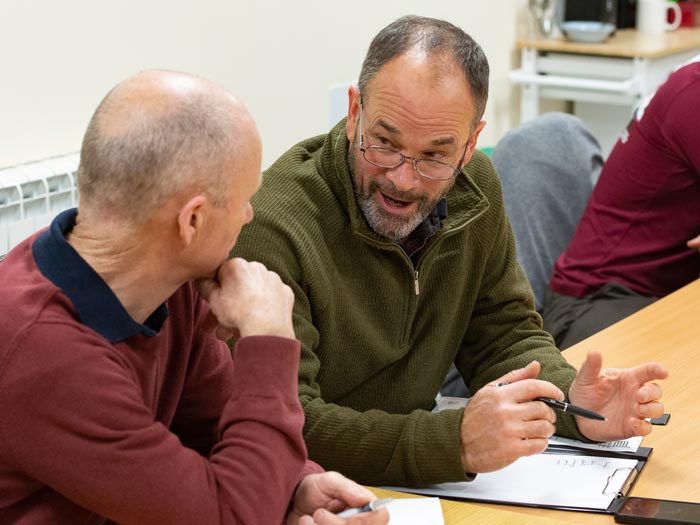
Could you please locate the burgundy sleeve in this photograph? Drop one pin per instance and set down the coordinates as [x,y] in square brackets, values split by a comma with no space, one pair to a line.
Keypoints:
[74,419]
[206,391]
[680,125]
[310,468]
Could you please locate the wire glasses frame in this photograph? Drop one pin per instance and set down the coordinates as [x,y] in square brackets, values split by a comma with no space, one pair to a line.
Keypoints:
[384,157]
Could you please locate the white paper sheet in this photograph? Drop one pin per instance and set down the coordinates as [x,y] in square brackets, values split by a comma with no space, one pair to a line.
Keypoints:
[415,511]
[621,445]
[564,480]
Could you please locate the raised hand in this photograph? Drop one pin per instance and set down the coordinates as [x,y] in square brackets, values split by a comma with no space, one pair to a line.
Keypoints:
[625,396]
[247,299]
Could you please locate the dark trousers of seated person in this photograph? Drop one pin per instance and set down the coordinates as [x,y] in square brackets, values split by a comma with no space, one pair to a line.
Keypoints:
[572,319]
[454,384]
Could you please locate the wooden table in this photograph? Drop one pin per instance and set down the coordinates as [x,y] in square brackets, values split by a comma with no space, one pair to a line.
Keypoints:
[668,331]
[459,512]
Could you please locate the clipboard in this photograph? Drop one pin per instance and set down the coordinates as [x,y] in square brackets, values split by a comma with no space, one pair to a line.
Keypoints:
[561,478]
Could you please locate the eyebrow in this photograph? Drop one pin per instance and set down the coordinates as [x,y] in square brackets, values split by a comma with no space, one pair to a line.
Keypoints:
[444,141]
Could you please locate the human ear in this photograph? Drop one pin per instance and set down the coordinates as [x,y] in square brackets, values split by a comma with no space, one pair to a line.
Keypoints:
[190,219]
[472,142]
[353,111]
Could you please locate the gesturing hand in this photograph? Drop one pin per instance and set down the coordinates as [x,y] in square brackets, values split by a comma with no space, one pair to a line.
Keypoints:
[625,396]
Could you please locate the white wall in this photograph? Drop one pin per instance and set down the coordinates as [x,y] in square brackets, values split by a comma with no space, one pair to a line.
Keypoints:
[59,57]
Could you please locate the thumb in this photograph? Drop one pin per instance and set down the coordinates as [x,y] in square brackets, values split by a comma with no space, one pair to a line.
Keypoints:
[337,486]
[531,371]
[590,369]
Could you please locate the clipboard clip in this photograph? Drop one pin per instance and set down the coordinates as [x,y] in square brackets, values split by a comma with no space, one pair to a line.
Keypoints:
[626,484]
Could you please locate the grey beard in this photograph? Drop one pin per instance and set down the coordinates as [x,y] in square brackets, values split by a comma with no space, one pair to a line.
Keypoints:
[393,228]
[381,224]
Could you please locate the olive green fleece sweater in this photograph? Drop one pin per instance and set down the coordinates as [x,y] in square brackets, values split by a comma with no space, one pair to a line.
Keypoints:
[378,334]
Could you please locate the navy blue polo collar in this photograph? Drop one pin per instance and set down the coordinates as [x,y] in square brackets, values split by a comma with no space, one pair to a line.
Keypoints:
[96,304]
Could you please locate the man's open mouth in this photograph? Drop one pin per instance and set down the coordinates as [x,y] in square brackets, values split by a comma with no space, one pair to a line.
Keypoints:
[395,202]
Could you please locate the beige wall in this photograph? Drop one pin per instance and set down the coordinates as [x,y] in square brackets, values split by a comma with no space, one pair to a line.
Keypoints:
[59,58]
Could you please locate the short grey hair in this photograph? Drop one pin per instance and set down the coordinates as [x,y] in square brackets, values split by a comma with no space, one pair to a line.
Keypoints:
[132,168]
[434,37]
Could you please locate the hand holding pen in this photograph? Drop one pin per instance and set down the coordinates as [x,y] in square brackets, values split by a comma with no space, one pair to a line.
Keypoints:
[570,408]
[500,425]
[330,498]
[563,406]
[369,507]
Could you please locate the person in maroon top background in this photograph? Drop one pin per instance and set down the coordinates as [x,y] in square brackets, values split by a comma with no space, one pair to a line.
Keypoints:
[639,236]
[119,398]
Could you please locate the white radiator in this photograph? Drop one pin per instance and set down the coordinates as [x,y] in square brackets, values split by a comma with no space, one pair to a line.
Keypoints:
[31,195]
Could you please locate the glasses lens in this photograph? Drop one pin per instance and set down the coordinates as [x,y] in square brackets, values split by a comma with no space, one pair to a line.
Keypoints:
[389,158]
[434,169]
[383,157]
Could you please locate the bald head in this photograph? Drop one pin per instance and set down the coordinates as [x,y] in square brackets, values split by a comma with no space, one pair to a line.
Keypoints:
[156,134]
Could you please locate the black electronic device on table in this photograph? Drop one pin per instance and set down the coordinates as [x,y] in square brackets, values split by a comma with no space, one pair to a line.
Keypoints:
[649,511]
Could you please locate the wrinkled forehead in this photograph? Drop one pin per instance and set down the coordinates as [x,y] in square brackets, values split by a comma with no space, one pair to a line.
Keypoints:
[423,84]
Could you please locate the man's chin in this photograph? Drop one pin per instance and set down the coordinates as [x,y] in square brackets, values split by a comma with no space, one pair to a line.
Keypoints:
[392,228]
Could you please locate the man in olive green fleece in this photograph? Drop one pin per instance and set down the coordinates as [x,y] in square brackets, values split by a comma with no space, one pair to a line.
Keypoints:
[392,232]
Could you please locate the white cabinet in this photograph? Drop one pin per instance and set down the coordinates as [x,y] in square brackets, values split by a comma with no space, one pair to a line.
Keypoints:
[605,81]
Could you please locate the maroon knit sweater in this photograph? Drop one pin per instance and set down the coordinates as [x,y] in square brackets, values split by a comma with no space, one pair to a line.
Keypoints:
[102,418]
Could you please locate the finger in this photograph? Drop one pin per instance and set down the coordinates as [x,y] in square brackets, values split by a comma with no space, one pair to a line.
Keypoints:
[529,390]
[324,517]
[590,370]
[339,506]
[539,429]
[531,371]
[530,447]
[640,427]
[694,242]
[224,334]
[377,517]
[651,410]
[649,372]
[206,287]
[538,411]
[649,392]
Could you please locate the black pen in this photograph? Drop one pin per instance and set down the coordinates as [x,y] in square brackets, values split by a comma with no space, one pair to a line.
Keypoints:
[576,410]
[372,505]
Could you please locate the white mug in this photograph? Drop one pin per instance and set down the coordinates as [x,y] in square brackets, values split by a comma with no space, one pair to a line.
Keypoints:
[652,14]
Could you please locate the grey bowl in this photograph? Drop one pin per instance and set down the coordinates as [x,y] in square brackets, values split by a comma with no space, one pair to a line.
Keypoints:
[587,31]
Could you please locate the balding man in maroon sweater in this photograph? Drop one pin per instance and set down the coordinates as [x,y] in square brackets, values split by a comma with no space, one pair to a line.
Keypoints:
[119,399]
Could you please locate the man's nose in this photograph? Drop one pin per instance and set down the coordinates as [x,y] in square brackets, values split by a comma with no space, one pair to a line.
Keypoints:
[404,176]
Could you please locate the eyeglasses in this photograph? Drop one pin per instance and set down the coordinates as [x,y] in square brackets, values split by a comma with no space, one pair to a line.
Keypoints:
[384,157]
